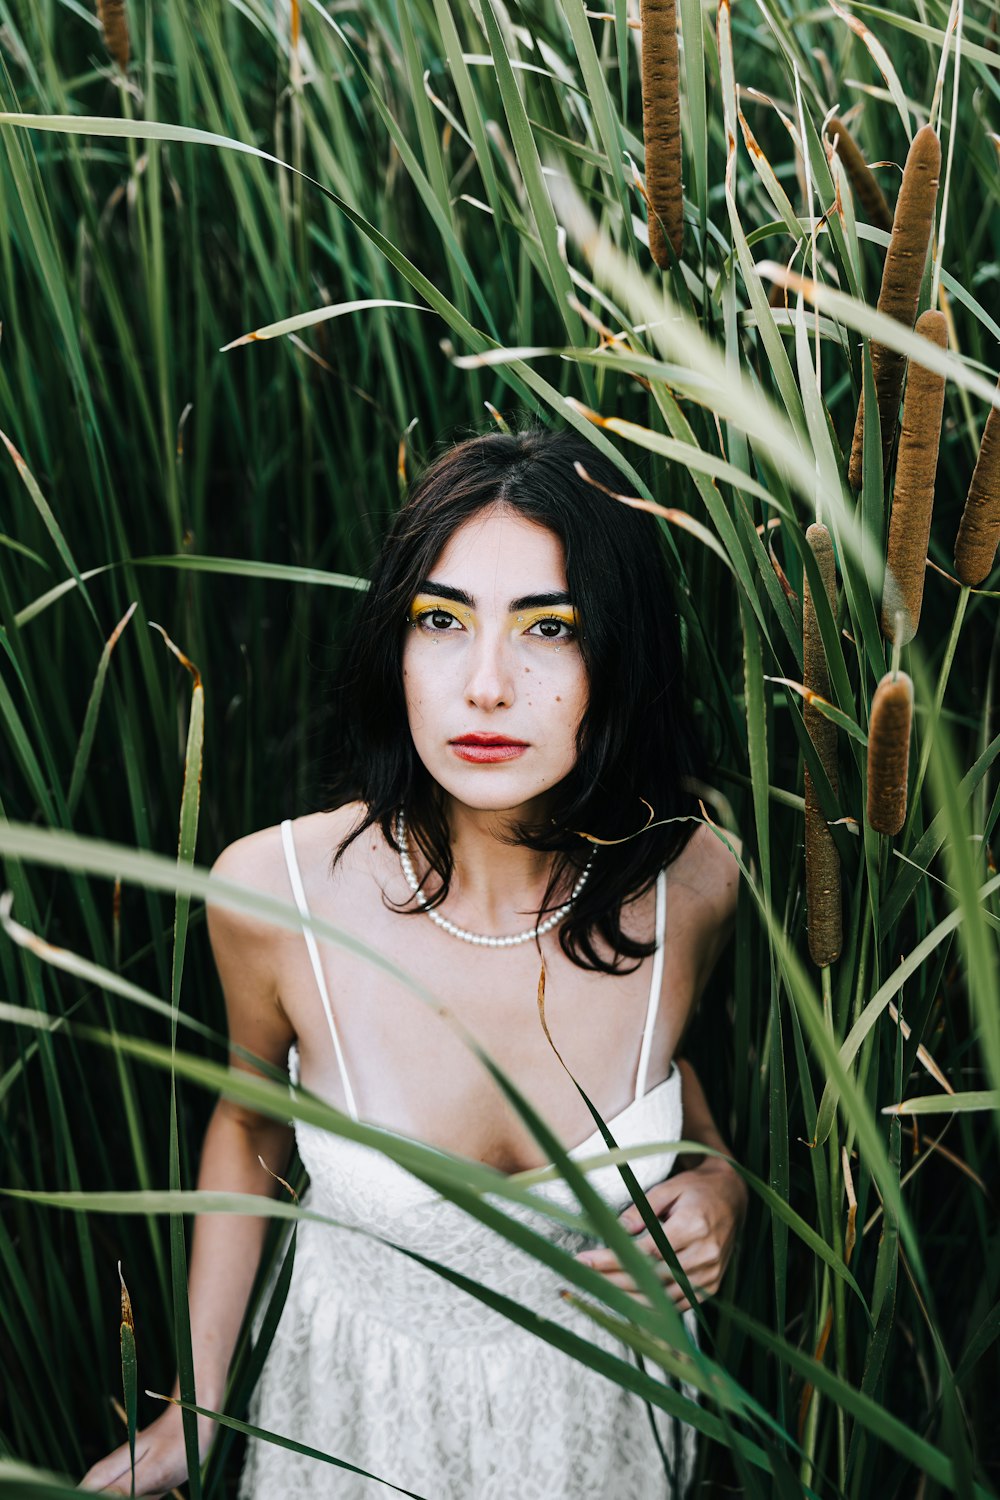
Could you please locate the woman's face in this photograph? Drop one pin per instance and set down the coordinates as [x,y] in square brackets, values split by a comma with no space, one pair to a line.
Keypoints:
[494,680]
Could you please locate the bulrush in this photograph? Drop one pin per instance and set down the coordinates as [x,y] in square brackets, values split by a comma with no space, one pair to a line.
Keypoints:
[901,277]
[979,529]
[913,492]
[114,24]
[866,189]
[661,127]
[889,752]
[823,913]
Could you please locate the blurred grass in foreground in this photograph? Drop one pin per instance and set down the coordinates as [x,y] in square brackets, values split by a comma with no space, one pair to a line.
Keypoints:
[257,166]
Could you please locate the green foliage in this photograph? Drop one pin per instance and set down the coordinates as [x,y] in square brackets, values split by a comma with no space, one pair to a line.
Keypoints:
[231,281]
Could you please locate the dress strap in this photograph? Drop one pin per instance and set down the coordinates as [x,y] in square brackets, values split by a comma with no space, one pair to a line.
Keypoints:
[298,891]
[655,985]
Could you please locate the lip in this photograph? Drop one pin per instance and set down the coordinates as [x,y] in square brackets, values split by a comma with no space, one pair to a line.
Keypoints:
[478,738]
[487,749]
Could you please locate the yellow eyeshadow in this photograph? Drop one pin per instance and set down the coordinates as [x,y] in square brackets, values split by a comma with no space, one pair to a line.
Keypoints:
[565,613]
[427,603]
[424,603]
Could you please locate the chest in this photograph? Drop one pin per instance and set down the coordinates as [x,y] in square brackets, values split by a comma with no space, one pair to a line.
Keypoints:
[413,1046]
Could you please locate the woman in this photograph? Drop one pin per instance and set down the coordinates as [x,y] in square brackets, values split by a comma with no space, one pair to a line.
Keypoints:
[512,684]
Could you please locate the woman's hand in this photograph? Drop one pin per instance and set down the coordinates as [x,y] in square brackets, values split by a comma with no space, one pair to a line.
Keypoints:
[160,1459]
[701,1211]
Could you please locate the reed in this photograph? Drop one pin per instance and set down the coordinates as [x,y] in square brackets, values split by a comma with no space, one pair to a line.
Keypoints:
[114,27]
[913,491]
[237,498]
[979,528]
[866,189]
[661,128]
[889,752]
[823,892]
[900,289]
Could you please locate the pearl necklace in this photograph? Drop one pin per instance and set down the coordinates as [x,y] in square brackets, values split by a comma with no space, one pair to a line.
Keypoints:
[480,939]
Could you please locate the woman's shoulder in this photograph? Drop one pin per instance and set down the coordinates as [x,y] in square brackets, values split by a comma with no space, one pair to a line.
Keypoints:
[258,860]
[702,884]
[253,863]
[252,856]
[707,874]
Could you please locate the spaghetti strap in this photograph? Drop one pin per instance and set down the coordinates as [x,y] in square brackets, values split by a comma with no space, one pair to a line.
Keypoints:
[298,891]
[655,985]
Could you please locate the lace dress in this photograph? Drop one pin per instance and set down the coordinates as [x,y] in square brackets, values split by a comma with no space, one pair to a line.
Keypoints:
[384,1364]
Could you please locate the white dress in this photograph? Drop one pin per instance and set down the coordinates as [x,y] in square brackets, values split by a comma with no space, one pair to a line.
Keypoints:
[386,1365]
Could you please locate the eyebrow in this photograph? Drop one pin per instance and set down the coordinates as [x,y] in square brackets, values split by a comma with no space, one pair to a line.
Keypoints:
[526,601]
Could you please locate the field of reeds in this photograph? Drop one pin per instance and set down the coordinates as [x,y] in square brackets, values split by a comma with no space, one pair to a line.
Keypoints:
[257,260]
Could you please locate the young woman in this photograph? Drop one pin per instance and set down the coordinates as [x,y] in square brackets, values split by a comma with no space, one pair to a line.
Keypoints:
[511,699]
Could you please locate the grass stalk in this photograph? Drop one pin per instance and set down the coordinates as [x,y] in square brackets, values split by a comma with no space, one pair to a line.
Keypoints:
[481,160]
[933,718]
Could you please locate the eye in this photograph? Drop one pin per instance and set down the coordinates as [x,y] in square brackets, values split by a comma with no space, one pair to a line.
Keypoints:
[551,628]
[436,620]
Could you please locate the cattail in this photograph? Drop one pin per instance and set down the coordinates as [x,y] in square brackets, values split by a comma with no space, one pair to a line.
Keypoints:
[979,529]
[866,189]
[661,127]
[913,494]
[889,752]
[823,917]
[114,24]
[901,277]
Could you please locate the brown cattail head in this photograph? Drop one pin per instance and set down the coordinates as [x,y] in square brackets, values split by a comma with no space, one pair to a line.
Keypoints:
[823,905]
[913,493]
[979,529]
[866,189]
[889,752]
[661,127]
[901,277]
[114,24]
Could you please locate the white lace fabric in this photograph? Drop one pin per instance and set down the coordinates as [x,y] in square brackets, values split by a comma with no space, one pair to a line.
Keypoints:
[385,1364]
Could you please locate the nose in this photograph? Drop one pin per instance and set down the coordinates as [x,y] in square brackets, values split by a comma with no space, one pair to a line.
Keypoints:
[490,681]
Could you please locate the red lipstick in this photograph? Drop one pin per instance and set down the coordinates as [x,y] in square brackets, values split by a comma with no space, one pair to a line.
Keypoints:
[487,749]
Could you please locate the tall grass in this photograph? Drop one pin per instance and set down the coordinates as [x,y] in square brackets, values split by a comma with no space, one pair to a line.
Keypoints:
[431,217]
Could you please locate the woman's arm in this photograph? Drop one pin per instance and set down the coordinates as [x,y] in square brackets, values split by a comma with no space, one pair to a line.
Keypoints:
[699,1124]
[701,1207]
[226,1247]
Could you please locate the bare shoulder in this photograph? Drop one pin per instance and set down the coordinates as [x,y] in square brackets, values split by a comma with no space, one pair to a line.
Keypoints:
[258,858]
[258,861]
[254,862]
[704,883]
[245,943]
[318,837]
[250,950]
[707,871]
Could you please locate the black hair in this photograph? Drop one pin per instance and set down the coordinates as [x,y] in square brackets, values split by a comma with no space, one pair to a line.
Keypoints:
[636,741]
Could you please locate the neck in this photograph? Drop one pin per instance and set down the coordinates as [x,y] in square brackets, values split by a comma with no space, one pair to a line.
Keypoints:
[496,886]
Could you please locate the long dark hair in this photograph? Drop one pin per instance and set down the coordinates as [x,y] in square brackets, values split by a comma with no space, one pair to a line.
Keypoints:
[636,740]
